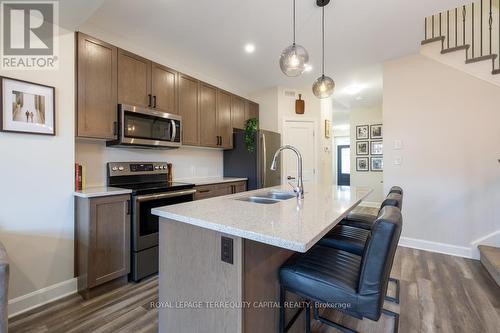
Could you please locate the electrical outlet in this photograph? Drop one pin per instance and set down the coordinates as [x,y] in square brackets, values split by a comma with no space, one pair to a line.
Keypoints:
[226,250]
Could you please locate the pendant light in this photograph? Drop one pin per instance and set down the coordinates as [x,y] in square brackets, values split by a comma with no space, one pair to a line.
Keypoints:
[294,58]
[323,87]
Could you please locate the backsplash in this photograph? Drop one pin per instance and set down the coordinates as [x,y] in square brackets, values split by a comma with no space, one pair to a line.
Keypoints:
[188,162]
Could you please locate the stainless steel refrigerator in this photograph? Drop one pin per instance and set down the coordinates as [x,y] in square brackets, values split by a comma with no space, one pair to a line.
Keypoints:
[256,166]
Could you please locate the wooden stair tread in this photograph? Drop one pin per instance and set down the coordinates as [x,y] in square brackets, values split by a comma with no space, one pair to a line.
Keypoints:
[456,48]
[490,258]
[432,40]
[481,58]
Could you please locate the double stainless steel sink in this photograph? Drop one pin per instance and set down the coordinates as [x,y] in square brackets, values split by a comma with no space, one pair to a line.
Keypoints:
[269,198]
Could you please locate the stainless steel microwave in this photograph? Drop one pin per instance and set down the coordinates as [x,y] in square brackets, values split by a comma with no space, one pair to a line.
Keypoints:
[146,128]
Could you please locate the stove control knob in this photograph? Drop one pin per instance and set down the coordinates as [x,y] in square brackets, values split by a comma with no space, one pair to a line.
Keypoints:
[164,167]
[121,168]
[114,168]
[157,167]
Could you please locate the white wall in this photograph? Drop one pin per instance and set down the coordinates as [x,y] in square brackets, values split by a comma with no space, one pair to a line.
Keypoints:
[36,191]
[449,124]
[268,108]
[189,163]
[372,179]
[276,107]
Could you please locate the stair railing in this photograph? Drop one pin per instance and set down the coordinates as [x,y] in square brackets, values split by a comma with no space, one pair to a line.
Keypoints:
[469,27]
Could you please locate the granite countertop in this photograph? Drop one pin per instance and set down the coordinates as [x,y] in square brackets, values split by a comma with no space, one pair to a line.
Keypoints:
[211,180]
[101,191]
[283,224]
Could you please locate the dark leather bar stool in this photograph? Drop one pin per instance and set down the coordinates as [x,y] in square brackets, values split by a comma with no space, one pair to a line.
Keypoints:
[353,239]
[350,283]
[365,221]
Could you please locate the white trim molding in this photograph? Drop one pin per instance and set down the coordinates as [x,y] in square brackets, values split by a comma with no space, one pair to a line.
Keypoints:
[454,250]
[492,239]
[42,296]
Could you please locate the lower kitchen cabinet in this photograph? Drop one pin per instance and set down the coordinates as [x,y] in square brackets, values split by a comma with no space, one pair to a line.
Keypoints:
[217,190]
[102,249]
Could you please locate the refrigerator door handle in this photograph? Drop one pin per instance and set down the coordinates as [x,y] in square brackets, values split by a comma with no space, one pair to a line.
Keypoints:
[264,161]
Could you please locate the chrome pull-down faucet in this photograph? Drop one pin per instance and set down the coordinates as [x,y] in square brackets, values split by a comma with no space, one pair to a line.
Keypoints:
[299,187]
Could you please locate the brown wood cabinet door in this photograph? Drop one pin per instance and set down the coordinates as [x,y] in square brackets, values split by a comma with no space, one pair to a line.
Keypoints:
[134,79]
[96,88]
[189,109]
[224,127]
[208,116]
[164,88]
[237,112]
[109,239]
[240,187]
[252,111]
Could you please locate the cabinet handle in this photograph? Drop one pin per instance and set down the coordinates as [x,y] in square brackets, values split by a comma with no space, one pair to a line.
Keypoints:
[203,191]
[217,140]
[128,207]
[149,100]
[115,128]
[154,101]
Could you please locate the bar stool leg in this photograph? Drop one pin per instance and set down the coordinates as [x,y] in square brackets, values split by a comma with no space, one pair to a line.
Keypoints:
[396,298]
[308,317]
[282,310]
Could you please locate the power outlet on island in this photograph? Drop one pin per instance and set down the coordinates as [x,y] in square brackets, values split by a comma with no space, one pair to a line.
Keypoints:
[226,250]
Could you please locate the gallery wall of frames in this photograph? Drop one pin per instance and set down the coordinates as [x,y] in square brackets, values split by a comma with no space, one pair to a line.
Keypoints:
[369,148]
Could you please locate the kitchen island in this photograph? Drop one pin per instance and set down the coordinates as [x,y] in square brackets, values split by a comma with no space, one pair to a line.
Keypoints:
[219,257]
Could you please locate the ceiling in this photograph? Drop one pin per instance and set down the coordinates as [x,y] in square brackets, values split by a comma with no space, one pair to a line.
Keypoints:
[209,36]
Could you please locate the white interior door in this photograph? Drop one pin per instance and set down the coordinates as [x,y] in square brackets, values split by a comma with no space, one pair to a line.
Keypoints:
[299,134]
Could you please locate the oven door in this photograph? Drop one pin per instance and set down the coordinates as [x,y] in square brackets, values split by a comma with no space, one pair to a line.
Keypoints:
[145,224]
[146,127]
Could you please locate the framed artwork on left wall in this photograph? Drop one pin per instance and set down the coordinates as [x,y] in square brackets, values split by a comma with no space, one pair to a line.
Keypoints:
[27,107]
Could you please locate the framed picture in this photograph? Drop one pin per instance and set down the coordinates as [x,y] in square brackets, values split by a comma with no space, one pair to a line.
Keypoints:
[377,164]
[328,129]
[362,148]
[376,147]
[362,164]
[362,132]
[27,107]
[376,132]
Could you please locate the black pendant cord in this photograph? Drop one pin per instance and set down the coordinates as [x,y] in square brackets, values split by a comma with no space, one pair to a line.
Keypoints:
[323,41]
[293,22]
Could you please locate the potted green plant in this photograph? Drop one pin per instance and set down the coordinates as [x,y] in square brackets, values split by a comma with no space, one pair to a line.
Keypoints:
[251,134]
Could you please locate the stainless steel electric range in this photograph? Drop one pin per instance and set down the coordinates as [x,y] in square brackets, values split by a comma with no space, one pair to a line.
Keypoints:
[150,189]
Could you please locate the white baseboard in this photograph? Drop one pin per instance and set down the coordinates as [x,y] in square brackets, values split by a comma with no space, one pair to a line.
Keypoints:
[454,250]
[492,239]
[371,204]
[42,296]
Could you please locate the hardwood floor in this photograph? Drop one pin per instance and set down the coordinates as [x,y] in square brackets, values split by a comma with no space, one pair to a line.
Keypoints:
[439,293]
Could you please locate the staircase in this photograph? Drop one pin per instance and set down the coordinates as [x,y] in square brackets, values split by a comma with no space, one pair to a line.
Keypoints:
[473,29]
[490,258]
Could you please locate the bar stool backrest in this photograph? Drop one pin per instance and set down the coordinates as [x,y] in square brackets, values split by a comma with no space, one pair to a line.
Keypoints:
[378,257]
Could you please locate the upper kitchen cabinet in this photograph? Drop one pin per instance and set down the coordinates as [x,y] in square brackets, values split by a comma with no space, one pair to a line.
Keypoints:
[252,110]
[224,126]
[209,134]
[164,88]
[237,112]
[96,88]
[189,109]
[134,80]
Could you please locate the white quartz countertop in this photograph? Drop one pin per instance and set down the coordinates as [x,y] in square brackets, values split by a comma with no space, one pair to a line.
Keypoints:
[284,224]
[211,180]
[101,191]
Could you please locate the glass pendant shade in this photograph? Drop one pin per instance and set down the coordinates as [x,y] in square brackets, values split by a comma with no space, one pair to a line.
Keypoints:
[323,87]
[293,60]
